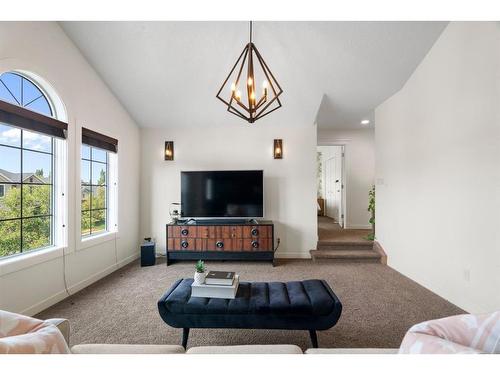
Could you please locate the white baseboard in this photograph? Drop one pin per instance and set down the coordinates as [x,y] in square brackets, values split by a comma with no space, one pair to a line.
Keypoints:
[46,303]
[293,255]
[358,226]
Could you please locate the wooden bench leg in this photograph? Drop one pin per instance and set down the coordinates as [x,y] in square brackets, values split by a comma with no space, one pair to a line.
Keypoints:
[185,335]
[314,338]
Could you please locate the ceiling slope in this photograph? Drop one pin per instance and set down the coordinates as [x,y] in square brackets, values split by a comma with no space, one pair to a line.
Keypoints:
[167,73]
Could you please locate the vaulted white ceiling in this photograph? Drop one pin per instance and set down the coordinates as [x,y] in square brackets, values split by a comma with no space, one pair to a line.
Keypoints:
[334,73]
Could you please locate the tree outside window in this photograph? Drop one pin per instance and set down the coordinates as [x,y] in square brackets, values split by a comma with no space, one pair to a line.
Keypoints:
[94,191]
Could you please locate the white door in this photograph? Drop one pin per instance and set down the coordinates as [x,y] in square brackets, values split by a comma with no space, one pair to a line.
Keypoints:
[339,186]
[330,188]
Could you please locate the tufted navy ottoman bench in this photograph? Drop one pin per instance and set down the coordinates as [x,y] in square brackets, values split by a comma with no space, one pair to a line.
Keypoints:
[296,305]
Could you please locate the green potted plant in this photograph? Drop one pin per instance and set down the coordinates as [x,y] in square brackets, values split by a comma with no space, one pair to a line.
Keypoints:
[371,210]
[199,275]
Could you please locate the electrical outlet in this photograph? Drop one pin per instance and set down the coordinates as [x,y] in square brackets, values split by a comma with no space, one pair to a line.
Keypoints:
[467,274]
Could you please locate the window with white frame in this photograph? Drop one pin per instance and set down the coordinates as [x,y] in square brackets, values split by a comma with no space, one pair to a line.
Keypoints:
[98,184]
[28,136]
[94,181]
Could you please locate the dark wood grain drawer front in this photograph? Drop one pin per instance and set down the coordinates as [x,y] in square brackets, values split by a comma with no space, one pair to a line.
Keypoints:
[171,231]
[201,244]
[257,231]
[185,244]
[187,231]
[257,244]
[237,244]
[220,244]
[232,231]
[205,231]
[170,243]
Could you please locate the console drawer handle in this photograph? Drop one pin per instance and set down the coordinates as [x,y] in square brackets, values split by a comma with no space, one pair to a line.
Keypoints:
[184,244]
[219,244]
[255,244]
[185,232]
[255,232]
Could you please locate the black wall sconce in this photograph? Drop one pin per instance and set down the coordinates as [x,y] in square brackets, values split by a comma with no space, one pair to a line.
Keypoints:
[278,149]
[169,150]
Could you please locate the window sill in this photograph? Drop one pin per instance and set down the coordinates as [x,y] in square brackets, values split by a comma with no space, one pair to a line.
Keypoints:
[92,241]
[22,261]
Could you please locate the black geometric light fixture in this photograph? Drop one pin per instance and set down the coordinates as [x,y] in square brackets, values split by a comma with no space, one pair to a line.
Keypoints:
[239,91]
[169,150]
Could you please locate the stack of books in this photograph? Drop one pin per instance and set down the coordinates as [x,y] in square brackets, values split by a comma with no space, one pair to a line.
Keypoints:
[218,284]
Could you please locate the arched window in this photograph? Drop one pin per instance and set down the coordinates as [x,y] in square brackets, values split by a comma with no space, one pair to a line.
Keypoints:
[18,89]
[27,171]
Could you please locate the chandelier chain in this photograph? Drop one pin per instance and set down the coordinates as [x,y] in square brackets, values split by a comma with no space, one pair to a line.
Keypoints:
[251,31]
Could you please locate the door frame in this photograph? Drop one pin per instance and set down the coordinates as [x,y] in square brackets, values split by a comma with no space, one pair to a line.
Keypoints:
[343,144]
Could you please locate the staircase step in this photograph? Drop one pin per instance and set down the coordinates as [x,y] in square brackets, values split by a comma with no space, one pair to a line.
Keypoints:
[367,256]
[343,245]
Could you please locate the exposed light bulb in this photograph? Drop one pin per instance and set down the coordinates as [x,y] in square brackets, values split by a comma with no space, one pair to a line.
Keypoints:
[250,81]
[252,95]
[238,95]
[264,84]
[233,87]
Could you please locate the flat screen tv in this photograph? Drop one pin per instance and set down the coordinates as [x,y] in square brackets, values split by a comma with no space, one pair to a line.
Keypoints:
[222,194]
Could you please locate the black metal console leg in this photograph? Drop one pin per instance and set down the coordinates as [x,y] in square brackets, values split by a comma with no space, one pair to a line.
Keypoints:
[314,338]
[185,335]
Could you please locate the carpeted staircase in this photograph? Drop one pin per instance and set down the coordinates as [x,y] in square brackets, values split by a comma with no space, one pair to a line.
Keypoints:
[344,245]
[342,251]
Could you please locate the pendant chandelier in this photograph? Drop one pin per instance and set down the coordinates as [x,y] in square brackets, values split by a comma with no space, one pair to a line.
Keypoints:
[240,94]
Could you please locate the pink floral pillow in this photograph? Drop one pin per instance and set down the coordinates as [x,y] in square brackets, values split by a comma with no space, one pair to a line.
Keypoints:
[21,334]
[460,334]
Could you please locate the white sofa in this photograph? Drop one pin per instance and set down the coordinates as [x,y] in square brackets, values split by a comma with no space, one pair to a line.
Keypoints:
[64,327]
[458,334]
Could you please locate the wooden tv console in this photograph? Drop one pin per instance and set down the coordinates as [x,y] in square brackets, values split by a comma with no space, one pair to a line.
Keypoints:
[220,241]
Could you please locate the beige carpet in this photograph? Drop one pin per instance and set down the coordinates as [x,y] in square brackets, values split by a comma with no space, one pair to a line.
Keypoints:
[379,306]
[329,230]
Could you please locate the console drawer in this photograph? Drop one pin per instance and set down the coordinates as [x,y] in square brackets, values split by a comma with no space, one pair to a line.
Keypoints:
[205,231]
[257,231]
[257,244]
[184,244]
[185,231]
[220,244]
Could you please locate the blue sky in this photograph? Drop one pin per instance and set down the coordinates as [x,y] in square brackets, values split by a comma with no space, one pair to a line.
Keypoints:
[23,92]
[10,158]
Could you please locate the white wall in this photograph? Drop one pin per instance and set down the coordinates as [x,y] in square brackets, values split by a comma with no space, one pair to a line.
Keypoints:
[359,170]
[44,49]
[289,183]
[438,169]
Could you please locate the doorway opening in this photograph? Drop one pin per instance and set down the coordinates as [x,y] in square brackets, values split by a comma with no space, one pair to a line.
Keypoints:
[331,185]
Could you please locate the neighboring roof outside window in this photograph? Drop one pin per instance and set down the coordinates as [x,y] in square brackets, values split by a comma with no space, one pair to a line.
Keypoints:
[11,177]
